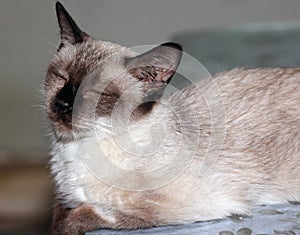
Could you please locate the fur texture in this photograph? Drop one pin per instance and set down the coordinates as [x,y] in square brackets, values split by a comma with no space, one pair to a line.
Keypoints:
[258,163]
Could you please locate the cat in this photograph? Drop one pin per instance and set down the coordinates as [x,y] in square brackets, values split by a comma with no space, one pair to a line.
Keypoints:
[99,92]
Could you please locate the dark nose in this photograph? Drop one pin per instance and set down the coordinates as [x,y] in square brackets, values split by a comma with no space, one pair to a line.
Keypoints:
[62,106]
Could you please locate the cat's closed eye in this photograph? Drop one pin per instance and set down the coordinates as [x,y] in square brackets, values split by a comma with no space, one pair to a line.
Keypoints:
[103,93]
[60,76]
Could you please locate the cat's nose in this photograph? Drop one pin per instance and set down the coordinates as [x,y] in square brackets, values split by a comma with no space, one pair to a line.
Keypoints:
[62,106]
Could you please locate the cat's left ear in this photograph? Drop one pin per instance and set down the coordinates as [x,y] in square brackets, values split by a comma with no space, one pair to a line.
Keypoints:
[70,33]
[157,65]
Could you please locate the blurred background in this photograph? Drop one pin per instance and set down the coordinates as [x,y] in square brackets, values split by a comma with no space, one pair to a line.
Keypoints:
[220,33]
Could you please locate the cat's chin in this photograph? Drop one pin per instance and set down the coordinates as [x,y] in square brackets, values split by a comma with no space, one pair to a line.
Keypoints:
[63,134]
[66,134]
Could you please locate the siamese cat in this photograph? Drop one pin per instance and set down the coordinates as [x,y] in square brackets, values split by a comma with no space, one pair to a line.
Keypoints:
[99,92]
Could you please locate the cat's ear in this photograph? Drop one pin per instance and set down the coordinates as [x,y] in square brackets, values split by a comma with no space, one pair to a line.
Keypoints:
[70,33]
[157,65]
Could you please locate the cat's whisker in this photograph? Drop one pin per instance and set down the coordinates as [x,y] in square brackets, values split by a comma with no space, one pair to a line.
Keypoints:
[50,52]
[46,40]
[40,108]
[37,106]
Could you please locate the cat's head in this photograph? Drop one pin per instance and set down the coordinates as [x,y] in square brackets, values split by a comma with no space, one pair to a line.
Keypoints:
[100,74]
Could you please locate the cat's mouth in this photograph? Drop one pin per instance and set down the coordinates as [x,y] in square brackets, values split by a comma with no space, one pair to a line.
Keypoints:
[62,123]
[61,108]
[60,114]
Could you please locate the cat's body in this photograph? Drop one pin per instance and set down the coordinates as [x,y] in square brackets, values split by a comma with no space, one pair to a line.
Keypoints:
[257,163]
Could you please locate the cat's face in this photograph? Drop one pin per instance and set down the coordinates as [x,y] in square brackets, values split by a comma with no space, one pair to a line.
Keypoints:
[89,78]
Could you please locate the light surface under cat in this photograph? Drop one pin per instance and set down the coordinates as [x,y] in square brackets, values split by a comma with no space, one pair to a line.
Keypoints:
[90,88]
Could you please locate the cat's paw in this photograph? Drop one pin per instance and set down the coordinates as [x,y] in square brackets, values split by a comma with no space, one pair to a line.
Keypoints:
[76,221]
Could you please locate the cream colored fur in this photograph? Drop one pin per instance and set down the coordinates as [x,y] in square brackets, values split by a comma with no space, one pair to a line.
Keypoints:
[259,162]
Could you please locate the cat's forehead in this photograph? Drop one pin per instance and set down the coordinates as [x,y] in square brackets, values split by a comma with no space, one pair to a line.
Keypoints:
[84,57]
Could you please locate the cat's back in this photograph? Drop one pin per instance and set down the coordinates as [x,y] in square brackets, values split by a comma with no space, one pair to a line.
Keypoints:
[262,113]
[263,97]
[261,86]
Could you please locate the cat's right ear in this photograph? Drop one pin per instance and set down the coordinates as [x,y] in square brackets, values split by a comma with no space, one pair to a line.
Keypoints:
[70,33]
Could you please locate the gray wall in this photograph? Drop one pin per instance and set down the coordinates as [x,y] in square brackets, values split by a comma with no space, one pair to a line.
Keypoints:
[29,34]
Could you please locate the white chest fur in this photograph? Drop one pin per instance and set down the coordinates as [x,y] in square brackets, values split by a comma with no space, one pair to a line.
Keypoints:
[81,166]
[70,174]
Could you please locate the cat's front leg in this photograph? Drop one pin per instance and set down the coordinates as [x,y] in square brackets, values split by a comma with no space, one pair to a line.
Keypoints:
[76,221]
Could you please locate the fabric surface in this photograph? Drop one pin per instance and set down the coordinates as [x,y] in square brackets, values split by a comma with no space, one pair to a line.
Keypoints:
[276,219]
